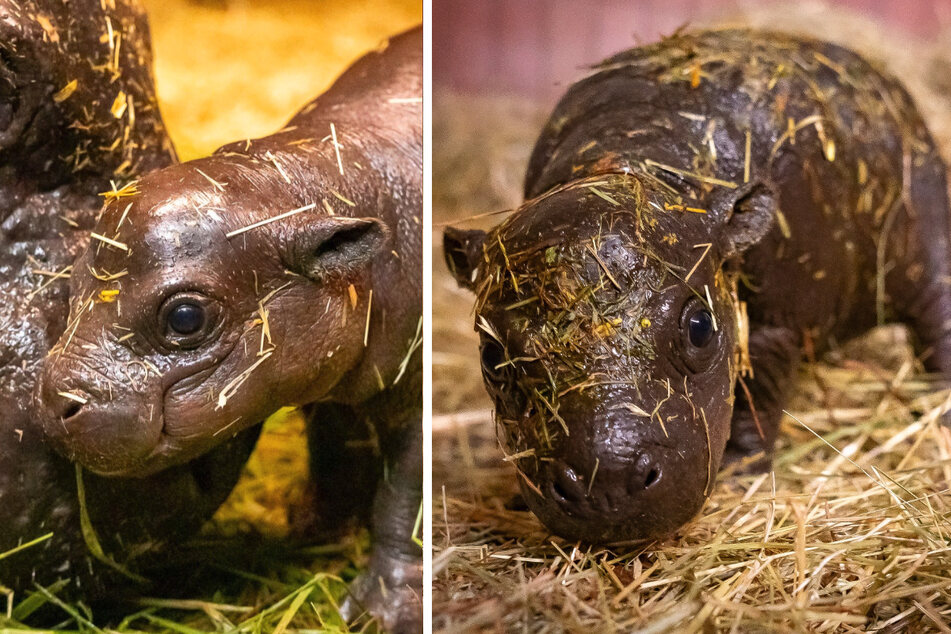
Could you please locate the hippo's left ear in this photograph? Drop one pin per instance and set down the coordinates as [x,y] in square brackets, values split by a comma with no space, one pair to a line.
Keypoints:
[750,214]
[463,252]
[333,246]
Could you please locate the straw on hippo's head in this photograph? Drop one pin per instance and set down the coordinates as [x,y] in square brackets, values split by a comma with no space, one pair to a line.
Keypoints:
[205,301]
[610,342]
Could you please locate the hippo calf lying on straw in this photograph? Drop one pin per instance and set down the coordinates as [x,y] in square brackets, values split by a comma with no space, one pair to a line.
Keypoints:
[698,211]
[280,271]
[77,109]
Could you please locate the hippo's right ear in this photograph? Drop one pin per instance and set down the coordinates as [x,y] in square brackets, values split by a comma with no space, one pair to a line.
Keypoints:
[463,252]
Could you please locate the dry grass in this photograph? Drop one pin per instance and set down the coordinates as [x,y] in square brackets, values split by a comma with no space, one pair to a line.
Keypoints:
[848,533]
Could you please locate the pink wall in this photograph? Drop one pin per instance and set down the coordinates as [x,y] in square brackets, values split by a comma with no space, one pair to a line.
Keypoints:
[534,47]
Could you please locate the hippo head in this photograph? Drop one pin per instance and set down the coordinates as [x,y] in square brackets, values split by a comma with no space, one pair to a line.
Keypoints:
[205,301]
[611,337]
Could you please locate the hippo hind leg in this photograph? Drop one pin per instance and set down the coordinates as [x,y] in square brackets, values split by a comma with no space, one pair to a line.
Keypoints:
[774,356]
[930,324]
[919,284]
[367,464]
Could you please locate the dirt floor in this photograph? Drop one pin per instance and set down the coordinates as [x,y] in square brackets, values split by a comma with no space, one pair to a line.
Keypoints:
[848,533]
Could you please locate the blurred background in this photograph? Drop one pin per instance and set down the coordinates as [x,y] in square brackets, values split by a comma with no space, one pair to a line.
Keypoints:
[233,69]
[533,49]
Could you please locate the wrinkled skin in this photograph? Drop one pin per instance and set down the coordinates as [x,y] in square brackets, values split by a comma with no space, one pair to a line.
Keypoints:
[191,322]
[613,388]
[57,151]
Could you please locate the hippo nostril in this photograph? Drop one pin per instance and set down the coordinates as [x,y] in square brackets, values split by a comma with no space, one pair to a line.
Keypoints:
[558,493]
[651,478]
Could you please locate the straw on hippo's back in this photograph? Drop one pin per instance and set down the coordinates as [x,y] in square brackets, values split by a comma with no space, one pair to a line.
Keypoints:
[279,271]
[61,144]
[715,194]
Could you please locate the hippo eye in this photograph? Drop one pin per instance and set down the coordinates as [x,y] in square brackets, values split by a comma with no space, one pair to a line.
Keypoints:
[699,336]
[186,319]
[700,328]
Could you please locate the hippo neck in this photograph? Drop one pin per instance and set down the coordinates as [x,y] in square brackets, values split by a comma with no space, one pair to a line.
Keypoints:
[626,137]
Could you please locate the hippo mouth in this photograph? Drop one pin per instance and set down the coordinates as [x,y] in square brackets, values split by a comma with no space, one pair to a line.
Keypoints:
[171,449]
[166,452]
[156,461]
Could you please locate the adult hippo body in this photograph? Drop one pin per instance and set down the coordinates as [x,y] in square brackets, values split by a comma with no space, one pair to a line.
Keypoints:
[715,195]
[61,144]
[278,271]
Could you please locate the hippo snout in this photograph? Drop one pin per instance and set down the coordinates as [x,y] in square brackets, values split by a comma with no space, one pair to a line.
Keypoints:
[641,500]
[617,476]
[87,424]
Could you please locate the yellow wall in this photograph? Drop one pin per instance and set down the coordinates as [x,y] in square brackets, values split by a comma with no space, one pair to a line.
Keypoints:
[232,69]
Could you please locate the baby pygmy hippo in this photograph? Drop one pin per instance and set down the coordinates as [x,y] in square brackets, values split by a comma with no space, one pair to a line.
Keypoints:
[77,110]
[698,211]
[280,271]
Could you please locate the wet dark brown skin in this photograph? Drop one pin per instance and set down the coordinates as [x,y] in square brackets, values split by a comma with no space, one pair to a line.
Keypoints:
[225,288]
[59,147]
[648,217]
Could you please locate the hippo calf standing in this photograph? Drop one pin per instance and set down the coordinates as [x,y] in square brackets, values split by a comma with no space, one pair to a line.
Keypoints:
[280,271]
[698,211]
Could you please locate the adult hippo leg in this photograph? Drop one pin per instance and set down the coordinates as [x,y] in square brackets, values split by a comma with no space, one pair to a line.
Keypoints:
[346,463]
[391,589]
[774,355]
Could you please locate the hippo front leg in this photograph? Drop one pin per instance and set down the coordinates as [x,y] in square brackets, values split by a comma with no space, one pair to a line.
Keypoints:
[391,589]
[774,355]
[930,324]
[346,463]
